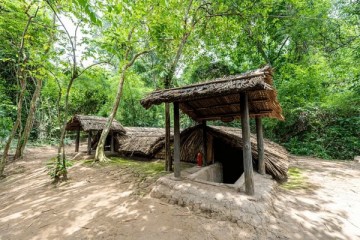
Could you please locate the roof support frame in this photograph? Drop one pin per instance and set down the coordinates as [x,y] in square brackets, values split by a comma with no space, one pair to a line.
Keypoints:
[247,157]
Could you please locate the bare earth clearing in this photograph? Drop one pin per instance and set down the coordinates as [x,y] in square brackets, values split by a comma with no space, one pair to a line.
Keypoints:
[111,202]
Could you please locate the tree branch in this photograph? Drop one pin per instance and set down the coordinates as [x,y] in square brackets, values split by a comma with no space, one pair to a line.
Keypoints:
[137,56]
[92,65]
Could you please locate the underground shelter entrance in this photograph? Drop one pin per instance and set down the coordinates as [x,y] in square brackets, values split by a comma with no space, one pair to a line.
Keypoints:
[231,159]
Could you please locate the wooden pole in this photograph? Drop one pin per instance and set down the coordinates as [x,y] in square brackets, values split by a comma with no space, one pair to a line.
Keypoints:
[168,159]
[176,140]
[245,126]
[89,143]
[112,142]
[204,145]
[77,140]
[260,145]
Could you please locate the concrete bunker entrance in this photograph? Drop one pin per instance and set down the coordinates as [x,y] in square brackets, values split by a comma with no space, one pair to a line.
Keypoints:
[231,159]
[228,166]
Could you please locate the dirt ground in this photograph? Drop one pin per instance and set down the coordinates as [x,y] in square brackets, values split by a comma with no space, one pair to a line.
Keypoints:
[325,205]
[109,202]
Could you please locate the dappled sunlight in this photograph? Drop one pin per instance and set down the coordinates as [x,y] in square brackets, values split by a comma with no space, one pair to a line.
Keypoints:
[330,211]
[103,202]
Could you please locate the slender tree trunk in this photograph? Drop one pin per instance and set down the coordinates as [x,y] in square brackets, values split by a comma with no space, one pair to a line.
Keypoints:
[29,121]
[100,154]
[14,128]
[20,75]
[167,81]
[61,157]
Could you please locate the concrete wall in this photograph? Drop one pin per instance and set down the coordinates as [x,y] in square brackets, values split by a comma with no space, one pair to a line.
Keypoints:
[211,173]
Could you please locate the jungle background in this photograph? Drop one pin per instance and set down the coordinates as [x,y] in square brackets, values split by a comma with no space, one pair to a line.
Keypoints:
[76,49]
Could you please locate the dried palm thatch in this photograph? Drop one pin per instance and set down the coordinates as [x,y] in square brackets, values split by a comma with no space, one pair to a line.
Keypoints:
[219,99]
[141,141]
[276,157]
[92,123]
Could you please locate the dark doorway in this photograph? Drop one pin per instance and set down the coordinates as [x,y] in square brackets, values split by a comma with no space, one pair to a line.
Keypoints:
[231,159]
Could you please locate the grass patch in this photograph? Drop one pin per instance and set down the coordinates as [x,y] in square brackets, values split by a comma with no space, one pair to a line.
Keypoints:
[147,168]
[296,180]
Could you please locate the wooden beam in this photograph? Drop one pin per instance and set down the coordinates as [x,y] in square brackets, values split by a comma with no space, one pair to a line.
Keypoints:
[204,145]
[77,140]
[89,143]
[112,142]
[176,140]
[260,145]
[233,104]
[214,107]
[188,109]
[247,158]
[219,116]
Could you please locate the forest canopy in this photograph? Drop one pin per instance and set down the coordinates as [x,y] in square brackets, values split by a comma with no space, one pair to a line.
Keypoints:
[64,57]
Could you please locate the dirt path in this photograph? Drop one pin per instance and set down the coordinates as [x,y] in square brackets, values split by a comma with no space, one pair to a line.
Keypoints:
[96,203]
[103,203]
[326,204]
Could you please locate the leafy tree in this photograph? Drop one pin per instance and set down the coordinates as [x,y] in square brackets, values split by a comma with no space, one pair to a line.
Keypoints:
[21,55]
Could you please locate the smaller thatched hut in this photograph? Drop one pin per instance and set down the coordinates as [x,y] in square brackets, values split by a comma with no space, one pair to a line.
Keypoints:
[141,141]
[225,145]
[93,125]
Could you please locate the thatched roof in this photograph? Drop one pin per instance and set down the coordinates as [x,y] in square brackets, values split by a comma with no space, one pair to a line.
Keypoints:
[92,123]
[141,141]
[219,99]
[276,157]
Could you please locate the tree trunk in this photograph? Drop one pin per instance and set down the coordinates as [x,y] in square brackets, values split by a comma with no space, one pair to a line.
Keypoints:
[21,76]
[61,158]
[100,154]
[167,81]
[29,121]
[14,129]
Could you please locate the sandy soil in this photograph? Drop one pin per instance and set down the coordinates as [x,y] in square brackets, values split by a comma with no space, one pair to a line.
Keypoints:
[108,203]
[328,205]
[96,203]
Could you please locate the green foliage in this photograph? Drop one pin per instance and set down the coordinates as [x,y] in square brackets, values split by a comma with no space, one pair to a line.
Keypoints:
[313,45]
[56,169]
[6,110]
[322,133]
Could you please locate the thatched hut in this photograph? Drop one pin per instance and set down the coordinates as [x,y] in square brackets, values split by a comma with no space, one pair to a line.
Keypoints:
[242,96]
[93,125]
[225,145]
[141,142]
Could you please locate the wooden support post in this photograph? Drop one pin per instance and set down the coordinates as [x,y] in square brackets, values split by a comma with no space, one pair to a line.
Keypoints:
[89,143]
[168,159]
[260,145]
[245,126]
[176,140]
[77,140]
[112,142]
[204,145]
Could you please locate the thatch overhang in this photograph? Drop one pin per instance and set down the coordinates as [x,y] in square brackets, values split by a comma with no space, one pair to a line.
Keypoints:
[219,99]
[142,141]
[92,123]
